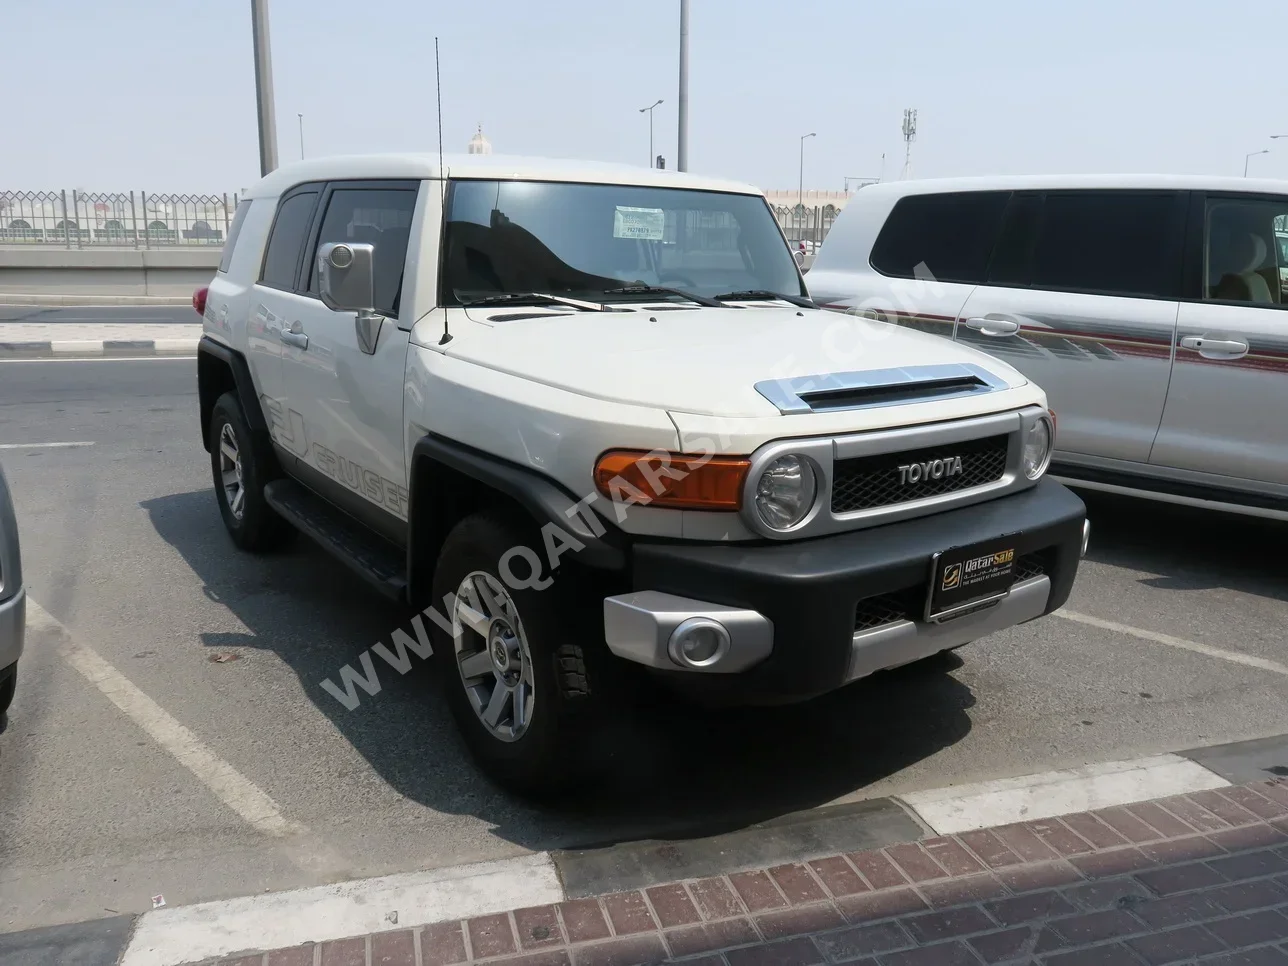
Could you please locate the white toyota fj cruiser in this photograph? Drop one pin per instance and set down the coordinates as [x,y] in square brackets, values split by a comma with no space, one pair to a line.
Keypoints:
[585,415]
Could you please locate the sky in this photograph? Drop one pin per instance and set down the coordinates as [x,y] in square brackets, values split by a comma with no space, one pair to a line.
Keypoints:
[159,95]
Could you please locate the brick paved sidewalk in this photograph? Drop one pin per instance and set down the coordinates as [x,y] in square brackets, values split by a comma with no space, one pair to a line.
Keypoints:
[1194,878]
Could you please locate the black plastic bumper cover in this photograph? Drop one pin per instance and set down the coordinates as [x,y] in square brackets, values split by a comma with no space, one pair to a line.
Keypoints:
[810,590]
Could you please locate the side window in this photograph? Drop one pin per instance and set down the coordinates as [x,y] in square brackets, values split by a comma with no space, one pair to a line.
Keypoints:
[380,216]
[282,256]
[1012,262]
[1244,248]
[1111,243]
[946,236]
[239,216]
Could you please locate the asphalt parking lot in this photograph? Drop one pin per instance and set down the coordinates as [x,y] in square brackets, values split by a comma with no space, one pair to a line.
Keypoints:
[171,736]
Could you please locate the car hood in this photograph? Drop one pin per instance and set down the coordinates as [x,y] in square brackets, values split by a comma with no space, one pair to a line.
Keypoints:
[700,360]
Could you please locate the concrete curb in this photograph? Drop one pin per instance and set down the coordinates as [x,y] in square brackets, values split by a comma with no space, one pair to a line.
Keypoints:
[38,301]
[97,348]
[204,931]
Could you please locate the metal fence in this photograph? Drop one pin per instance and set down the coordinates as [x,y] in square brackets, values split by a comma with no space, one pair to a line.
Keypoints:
[806,226]
[81,219]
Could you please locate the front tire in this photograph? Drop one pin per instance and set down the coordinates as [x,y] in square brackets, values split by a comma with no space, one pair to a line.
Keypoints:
[240,469]
[8,687]
[513,667]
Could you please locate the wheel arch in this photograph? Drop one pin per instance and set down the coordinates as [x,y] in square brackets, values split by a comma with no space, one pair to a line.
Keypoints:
[222,369]
[448,481]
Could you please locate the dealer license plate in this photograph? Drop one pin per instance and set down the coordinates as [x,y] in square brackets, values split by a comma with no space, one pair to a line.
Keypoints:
[974,573]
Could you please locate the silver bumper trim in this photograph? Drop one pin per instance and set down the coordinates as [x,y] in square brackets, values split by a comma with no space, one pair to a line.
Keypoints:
[903,642]
[638,627]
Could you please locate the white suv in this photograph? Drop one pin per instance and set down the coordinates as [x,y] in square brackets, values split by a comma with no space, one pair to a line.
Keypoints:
[586,418]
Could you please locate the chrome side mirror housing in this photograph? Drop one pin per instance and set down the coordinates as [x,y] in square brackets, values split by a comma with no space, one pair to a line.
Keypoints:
[346,283]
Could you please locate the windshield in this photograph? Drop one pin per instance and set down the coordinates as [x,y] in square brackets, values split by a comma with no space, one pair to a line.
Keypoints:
[587,240]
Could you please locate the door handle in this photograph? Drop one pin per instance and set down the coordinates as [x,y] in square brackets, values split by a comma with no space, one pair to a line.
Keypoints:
[295,336]
[1219,348]
[993,327]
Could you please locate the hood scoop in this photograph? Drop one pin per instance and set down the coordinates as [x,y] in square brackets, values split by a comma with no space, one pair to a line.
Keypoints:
[880,387]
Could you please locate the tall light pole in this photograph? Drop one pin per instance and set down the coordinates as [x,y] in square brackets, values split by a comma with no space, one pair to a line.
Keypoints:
[264,86]
[649,109]
[1249,156]
[682,148]
[301,117]
[801,198]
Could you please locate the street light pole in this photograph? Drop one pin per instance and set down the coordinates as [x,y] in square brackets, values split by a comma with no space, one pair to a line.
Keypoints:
[1249,156]
[801,198]
[264,86]
[301,117]
[682,152]
[651,162]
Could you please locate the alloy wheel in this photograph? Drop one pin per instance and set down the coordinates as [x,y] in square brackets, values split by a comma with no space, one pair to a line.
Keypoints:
[493,656]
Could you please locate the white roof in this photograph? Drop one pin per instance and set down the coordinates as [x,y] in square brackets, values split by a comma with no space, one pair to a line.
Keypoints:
[1053,182]
[419,167]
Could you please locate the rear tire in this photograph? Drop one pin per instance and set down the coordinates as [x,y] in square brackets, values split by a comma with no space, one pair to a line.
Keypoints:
[239,465]
[514,668]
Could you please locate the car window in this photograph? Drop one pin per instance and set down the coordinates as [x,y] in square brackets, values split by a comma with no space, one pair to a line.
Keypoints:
[1243,251]
[234,230]
[945,236]
[282,257]
[1110,243]
[381,217]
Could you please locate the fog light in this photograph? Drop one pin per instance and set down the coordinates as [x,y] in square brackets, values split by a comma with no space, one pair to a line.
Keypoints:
[698,642]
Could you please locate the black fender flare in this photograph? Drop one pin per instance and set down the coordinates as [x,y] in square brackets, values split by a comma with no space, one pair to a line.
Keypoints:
[245,387]
[603,545]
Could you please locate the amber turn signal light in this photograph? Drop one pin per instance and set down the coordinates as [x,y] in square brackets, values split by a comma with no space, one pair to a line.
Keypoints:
[672,480]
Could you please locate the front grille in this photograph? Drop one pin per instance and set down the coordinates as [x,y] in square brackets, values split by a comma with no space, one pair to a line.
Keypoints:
[876,611]
[867,482]
[1029,566]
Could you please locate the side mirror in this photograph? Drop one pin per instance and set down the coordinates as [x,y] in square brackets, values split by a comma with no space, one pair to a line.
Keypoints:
[346,278]
[799,256]
[346,283]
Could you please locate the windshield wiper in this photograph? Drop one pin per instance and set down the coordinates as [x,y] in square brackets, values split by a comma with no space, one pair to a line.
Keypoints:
[657,290]
[520,297]
[756,294]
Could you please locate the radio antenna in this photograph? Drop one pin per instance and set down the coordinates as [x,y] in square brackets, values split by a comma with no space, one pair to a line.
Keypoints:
[442,174]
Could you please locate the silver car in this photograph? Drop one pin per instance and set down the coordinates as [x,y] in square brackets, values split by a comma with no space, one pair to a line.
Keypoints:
[1153,309]
[13,599]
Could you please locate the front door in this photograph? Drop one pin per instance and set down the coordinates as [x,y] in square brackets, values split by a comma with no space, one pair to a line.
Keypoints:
[351,401]
[1081,297]
[1225,411]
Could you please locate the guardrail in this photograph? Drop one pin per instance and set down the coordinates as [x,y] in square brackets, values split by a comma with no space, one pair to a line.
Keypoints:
[141,220]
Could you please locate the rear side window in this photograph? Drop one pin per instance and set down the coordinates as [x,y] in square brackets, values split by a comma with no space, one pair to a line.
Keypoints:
[1111,243]
[282,257]
[948,237]
[380,216]
[233,231]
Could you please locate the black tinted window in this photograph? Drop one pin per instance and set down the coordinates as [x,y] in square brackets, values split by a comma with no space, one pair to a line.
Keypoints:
[1110,242]
[284,244]
[1013,253]
[948,236]
[233,231]
[381,217]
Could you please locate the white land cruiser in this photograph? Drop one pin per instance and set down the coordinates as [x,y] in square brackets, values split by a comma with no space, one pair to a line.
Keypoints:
[586,415]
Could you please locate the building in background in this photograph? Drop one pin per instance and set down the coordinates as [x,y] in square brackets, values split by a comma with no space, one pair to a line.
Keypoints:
[479,144]
[806,217]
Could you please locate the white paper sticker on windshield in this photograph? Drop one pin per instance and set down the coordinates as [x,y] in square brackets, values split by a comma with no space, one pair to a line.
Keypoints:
[646,224]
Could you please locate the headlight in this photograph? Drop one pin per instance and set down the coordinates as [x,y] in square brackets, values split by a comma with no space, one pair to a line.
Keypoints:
[785,492]
[1037,448]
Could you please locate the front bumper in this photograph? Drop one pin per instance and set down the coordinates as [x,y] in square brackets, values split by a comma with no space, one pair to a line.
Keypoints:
[13,625]
[807,617]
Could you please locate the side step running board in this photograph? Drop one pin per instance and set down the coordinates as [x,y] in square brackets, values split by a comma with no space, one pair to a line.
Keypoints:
[371,557]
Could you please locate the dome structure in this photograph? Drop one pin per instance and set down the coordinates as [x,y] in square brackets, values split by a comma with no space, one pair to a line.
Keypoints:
[479,144]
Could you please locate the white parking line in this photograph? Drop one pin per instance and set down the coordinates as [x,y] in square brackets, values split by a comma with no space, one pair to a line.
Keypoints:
[1234,657]
[230,786]
[962,808]
[42,445]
